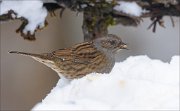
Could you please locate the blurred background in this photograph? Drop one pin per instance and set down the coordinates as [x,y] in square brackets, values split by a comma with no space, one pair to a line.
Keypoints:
[25,82]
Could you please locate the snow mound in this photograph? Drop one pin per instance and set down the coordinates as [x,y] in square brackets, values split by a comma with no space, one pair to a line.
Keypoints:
[137,83]
[32,10]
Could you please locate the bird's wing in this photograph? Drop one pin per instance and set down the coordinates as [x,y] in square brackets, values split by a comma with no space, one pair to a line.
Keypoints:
[63,54]
[92,59]
[80,60]
[85,52]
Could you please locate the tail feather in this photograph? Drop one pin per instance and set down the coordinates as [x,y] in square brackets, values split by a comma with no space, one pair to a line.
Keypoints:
[42,56]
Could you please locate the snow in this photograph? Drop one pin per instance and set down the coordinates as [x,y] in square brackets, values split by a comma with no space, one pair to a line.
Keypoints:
[131,8]
[137,83]
[32,10]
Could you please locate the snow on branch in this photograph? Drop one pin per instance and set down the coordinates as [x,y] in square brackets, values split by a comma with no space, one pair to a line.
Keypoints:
[130,8]
[32,14]
[98,14]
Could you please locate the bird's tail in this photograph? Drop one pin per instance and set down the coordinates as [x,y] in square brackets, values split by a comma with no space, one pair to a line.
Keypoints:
[42,56]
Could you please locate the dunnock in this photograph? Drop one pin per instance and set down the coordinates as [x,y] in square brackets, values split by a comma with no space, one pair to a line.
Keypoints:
[83,58]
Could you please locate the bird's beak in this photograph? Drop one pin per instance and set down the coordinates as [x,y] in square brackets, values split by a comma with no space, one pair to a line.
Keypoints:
[123,46]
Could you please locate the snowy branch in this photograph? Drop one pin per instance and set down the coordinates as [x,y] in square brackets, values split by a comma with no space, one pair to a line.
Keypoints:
[31,13]
[98,14]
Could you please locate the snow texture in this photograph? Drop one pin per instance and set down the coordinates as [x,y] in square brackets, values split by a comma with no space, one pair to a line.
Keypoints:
[131,8]
[137,83]
[32,10]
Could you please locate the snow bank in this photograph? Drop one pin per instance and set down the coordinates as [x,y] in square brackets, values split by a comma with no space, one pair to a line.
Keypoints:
[32,10]
[137,83]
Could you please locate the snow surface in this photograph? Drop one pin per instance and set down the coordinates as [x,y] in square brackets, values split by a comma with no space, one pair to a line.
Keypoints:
[131,8]
[32,10]
[137,83]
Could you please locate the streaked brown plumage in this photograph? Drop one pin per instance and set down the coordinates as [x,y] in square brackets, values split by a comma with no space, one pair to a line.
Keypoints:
[83,58]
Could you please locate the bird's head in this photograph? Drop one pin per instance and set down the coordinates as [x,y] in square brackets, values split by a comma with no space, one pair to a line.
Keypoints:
[110,43]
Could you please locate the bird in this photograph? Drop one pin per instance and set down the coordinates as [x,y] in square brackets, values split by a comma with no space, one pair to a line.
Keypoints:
[97,56]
